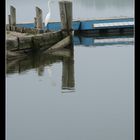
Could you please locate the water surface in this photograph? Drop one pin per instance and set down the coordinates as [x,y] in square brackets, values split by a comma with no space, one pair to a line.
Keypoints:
[84,94]
[83,97]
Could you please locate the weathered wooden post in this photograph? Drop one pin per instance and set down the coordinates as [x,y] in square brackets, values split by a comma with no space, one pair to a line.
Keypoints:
[35,22]
[9,19]
[13,16]
[39,21]
[66,16]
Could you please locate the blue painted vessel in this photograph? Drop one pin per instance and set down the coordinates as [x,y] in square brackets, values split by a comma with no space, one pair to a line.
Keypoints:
[107,23]
[89,24]
[55,26]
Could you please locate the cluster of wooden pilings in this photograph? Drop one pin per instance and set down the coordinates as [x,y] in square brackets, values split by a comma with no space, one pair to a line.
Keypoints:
[39,37]
[38,22]
[65,15]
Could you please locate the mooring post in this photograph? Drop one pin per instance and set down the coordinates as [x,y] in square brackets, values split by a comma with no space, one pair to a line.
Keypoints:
[35,22]
[66,16]
[13,16]
[9,20]
[39,21]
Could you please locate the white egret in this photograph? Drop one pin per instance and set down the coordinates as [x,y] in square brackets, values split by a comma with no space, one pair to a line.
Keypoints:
[48,15]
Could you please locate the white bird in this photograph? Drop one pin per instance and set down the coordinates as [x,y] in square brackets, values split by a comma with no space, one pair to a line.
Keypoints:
[48,15]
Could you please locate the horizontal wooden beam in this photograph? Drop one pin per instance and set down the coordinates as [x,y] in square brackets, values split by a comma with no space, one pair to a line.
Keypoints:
[61,44]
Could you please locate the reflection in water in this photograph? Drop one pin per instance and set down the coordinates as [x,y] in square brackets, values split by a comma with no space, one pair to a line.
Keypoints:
[101,107]
[40,61]
[68,74]
[97,41]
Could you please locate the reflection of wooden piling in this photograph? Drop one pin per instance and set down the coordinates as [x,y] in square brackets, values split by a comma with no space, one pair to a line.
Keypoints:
[39,21]
[66,15]
[12,16]
[68,81]
[41,70]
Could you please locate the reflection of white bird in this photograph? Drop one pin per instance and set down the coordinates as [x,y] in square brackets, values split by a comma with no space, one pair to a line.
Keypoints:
[49,71]
[48,15]
[50,75]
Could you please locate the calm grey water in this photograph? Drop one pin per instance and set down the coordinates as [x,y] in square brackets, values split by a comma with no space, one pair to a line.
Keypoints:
[84,97]
[88,96]
[82,9]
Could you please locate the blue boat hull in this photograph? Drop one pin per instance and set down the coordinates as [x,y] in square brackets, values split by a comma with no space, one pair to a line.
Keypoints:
[88,24]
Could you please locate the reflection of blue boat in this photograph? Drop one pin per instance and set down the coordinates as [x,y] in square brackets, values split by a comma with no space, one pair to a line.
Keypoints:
[94,41]
[90,24]
[87,41]
[76,40]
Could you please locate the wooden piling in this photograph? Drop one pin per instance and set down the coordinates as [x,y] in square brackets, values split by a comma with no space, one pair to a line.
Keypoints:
[66,16]
[43,41]
[35,22]
[61,44]
[13,16]
[39,21]
[9,20]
